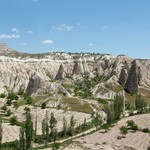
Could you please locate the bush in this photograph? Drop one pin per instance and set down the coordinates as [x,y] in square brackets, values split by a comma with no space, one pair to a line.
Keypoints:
[4,108]
[3,95]
[103,101]
[27,110]
[134,127]
[130,123]
[43,106]
[12,96]
[13,120]
[146,130]
[123,130]
[29,100]
[9,102]
[8,113]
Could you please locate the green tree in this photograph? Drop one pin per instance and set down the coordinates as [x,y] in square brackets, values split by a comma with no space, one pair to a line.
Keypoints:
[109,110]
[1,133]
[28,130]
[35,127]
[140,104]
[118,106]
[97,120]
[45,129]
[72,126]
[64,127]
[53,122]
[22,144]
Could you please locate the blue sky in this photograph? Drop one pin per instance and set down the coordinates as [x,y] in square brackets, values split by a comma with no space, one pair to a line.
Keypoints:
[100,26]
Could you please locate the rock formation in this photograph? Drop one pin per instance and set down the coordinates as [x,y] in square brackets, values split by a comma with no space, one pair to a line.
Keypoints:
[133,79]
[36,73]
[76,68]
[61,73]
[123,76]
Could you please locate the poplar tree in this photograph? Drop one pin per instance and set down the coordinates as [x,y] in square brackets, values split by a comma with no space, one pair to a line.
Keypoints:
[1,132]
[64,127]
[28,130]
[22,138]
[45,129]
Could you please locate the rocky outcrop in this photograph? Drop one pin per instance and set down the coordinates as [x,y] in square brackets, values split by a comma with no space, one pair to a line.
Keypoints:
[100,91]
[123,76]
[61,74]
[36,73]
[133,79]
[35,84]
[76,68]
[113,81]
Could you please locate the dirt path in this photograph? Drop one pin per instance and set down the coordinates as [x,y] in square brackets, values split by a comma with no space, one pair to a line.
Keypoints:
[137,140]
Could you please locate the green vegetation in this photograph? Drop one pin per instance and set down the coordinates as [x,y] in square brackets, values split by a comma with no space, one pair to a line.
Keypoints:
[123,130]
[140,104]
[43,106]
[118,107]
[13,120]
[97,121]
[3,95]
[102,101]
[76,105]
[83,88]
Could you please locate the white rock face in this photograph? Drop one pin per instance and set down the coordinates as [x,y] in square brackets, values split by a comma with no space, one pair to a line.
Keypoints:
[20,70]
[100,91]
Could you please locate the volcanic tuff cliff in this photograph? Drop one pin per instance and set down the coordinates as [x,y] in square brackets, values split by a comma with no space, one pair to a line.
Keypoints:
[44,73]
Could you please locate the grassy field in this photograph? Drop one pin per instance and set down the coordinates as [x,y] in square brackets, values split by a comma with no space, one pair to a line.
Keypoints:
[75,105]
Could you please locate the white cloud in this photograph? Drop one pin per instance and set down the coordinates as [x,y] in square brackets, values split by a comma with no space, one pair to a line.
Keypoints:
[63,27]
[15,30]
[48,42]
[90,44]
[30,32]
[105,27]
[7,36]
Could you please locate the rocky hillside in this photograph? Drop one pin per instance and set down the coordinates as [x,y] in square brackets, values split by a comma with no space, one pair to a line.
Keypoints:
[53,72]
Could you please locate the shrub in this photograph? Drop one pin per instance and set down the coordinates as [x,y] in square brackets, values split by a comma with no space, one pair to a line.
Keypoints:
[27,110]
[8,113]
[4,108]
[103,101]
[146,130]
[134,127]
[12,96]
[13,120]
[3,95]
[8,102]
[123,130]
[29,100]
[130,123]
[43,106]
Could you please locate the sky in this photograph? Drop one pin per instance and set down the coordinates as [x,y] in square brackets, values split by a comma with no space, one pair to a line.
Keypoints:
[100,26]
